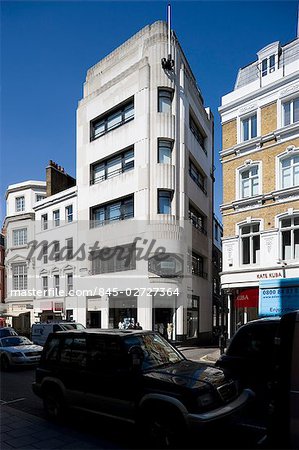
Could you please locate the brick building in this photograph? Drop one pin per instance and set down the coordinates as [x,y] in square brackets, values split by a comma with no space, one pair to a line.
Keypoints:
[260,158]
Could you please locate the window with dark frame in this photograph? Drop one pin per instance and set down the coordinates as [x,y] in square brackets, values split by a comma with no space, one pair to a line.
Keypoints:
[69,213]
[164,151]
[113,166]
[197,133]
[44,220]
[197,219]
[120,209]
[118,116]
[45,286]
[197,176]
[197,265]
[114,259]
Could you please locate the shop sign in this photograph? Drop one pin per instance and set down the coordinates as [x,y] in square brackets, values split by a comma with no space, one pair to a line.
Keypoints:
[270,275]
[247,298]
[18,307]
[58,306]
[93,304]
[277,297]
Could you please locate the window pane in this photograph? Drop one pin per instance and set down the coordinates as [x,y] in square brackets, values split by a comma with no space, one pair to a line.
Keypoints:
[128,160]
[256,228]
[286,245]
[113,211]
[296,175]
[164,156]
[296,220]
[255,186]
[296,110]
[286,223]
[98,173]
[164,101]
[286,162]
[114,120]
[128,208]
[253,126]
[129,111]
[113,166]
[245,230]
[254,170]
[164,202]
[287,113]
[272,62]
[256,249]
[245,174]
[99,216]
[99,128]
[264,67]
[246,250]
[245,124]
[286,178]
[245,188]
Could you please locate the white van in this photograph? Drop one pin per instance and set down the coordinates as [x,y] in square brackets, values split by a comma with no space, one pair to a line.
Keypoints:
[40,331]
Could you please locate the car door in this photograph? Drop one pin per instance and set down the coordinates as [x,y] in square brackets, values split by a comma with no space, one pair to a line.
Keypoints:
[110,382]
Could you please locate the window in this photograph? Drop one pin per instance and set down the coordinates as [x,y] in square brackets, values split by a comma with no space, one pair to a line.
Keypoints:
[197,133]
[69,248]
[290,111]
[113,119]
[164,151]
[56,285]
[56,250]
[164,201]
[19,237]
[39,197]
[69,213]
[197,265]
[197,219]
[20,204]
[264,67]
[44,219]
[45,253]
[56,218]
[19,275]
[268,65]
[250,244]
[289,230]
[249,182]
[216,232]
[164,100]
[114,259]
[118,210]
[290,171]
[69,283]
[122,162]
[45,286]
[197,176]
[249,127]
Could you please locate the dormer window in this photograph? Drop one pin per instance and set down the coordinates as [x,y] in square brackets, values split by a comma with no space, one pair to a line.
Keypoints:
[268,65]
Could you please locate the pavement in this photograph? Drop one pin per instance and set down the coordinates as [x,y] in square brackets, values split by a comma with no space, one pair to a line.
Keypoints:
[20,430]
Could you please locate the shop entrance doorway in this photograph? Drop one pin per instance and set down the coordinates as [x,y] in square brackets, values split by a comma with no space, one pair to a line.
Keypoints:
[122,311]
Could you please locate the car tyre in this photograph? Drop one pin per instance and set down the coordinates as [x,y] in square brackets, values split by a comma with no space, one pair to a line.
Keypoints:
[54,405]
[5,364]
[165,429]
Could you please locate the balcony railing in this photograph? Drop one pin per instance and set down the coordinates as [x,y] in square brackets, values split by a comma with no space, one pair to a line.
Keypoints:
[100,223]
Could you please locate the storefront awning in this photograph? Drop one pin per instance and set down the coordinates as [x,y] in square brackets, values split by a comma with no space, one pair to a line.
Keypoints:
[247,298]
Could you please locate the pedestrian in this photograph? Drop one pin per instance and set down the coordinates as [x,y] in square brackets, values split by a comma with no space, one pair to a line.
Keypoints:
[138,326]
[121,324]
[131,325]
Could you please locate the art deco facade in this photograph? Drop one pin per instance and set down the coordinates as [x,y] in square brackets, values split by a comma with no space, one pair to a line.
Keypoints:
[260,158]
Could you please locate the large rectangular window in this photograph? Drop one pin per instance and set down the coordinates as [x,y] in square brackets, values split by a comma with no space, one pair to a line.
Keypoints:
[197,132]
[197,265]
[56,218]
[120,209]
[289,171]
[109,168]
[290,111]
[249,182]
[250,244]
[115,259]
[197,176]
[20,204]
[19,276]
[69,213]
[112,119]
[164,201]
[249,127]
[19,237]
[44,220]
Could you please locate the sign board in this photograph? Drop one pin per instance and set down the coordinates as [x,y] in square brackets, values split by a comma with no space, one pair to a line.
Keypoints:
[247,298]
[277,297]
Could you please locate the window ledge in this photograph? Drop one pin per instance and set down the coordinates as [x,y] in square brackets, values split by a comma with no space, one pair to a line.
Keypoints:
[248,202]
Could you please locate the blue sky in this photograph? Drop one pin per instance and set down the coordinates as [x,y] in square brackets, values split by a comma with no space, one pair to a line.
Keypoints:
[47,48]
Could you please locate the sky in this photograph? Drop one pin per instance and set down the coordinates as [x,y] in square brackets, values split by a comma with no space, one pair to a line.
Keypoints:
[47,47]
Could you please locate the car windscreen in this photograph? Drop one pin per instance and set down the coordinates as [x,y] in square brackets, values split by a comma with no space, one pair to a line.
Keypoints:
[14,341]
[157,351]
[7,332]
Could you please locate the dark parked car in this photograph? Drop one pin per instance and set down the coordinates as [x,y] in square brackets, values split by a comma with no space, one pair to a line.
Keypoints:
[136,376]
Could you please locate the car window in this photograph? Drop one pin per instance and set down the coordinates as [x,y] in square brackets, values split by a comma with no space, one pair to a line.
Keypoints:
[57,328]
[254,341]
[51,351]
[7,332]
[105,353]
[14,341]
[157,351]
[73,352]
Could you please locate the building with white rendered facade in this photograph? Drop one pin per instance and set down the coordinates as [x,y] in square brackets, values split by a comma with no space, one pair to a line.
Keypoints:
[144,171]
[19,230]
[260,158]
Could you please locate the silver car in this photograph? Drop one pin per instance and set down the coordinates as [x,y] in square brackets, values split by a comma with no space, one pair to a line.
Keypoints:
[18,351]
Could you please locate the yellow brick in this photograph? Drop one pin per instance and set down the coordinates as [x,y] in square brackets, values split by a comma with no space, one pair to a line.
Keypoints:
[229,134]
[268,118]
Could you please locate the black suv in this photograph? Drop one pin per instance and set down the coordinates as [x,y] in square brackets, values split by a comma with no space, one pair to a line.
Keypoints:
[136,376]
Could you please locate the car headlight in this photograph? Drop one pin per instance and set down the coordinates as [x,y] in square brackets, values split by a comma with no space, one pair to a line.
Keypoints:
[17,355]
[205,399]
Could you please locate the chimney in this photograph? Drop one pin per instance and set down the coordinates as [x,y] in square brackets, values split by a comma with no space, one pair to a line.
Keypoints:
[57,179]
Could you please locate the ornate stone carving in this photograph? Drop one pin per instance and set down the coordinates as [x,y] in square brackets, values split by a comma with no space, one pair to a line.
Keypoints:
[269,242]
[289,90]
[248,108]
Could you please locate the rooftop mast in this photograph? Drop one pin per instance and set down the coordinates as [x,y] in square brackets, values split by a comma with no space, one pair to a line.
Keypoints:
[168,63]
